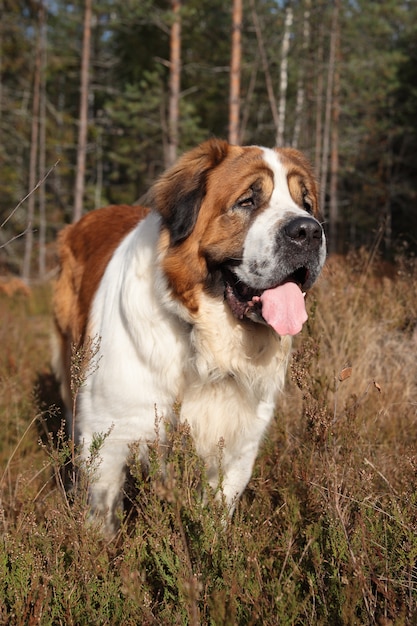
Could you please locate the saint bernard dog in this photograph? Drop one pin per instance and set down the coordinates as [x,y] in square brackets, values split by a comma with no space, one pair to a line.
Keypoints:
[194,300]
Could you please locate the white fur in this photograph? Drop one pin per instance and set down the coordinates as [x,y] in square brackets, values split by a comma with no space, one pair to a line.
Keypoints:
[281,199]
[225,376]
[260,239]
[225,373]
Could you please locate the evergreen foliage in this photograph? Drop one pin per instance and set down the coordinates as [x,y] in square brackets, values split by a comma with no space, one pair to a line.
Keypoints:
[128,103]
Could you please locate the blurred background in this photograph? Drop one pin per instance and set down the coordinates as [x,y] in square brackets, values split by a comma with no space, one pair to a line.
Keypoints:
[96,99]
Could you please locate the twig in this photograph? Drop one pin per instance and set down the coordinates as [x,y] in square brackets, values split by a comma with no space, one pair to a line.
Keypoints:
[6,243]
[38,184]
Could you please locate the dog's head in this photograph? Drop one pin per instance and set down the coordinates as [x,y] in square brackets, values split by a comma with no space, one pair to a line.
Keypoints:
[242,222]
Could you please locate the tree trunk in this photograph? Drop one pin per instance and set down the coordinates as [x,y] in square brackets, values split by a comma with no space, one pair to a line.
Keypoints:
[33,156]
[235,67]
[283,82]
[265,66]
[174,85]
[319,104]
[334,155]
[328,110]
[98,191]
[42,151]
[299,106]
[83,118]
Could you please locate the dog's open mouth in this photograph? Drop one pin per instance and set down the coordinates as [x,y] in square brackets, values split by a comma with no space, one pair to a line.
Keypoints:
[282,307]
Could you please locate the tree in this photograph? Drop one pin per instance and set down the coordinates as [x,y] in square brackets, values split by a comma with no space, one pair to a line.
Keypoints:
[83,118]
[265,66]
[283,82]
[34,146]
[299,106]
[42,147]
[356,121]
[319,101]
[324,168]
[234,97]
[369,180]
[174,84]
[334,140]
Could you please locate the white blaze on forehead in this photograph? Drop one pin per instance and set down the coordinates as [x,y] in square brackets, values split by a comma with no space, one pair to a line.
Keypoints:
[281,200]
[260,239]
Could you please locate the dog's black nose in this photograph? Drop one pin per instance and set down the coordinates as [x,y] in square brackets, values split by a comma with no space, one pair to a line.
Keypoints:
[304,231]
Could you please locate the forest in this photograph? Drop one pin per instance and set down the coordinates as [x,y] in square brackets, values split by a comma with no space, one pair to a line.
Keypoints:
[335,79]
[96,100]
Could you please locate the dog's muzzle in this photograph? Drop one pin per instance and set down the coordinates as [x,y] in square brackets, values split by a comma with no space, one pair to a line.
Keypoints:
[278,282]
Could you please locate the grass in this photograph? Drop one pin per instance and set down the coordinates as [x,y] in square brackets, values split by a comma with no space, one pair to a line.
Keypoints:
[324,534]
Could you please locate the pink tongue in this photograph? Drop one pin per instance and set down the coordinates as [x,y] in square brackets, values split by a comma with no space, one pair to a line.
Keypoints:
[284,309]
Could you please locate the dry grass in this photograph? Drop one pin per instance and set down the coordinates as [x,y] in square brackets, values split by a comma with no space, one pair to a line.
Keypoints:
[325,533]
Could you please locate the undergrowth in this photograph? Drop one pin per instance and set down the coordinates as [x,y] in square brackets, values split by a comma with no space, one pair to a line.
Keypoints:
[324,534]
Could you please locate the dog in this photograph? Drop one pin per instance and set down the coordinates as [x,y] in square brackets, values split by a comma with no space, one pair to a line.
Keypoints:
[195,298]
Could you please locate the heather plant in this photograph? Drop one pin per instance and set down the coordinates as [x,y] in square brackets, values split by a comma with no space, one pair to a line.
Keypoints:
[325,532]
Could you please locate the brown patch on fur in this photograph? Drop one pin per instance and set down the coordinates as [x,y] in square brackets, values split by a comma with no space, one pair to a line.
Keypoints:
[84,249]
[213,176]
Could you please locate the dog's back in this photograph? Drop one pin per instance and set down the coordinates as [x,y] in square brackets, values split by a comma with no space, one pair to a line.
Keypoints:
[84,250]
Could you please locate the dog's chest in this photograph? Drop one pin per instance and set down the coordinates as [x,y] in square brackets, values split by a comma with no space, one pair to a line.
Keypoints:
[223,348]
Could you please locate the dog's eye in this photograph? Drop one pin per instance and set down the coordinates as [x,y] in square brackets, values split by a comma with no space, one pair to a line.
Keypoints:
[247,201]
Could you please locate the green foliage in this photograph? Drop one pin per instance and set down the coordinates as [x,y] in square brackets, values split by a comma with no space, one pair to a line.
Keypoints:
[128,102]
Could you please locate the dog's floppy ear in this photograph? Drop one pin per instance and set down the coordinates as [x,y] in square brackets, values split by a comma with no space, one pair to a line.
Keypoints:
[177,195]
